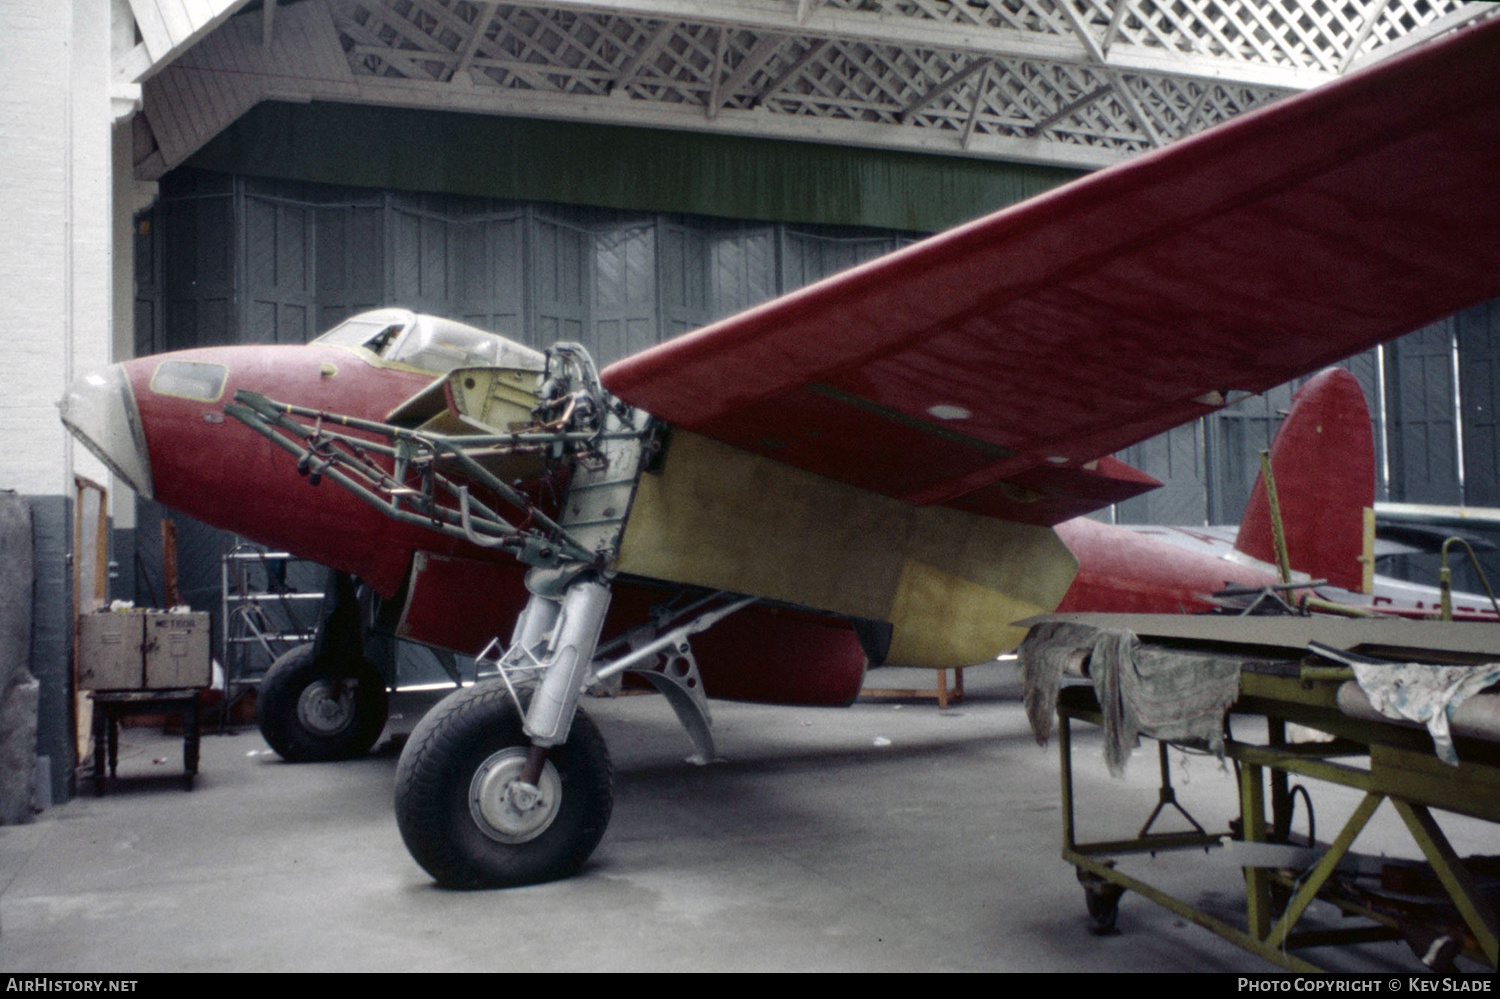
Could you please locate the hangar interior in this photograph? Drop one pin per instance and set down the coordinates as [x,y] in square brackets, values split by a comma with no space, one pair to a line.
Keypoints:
[614,172]
[621,173]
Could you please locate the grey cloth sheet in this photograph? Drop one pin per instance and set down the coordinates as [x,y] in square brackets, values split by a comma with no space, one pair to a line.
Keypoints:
[1162,693]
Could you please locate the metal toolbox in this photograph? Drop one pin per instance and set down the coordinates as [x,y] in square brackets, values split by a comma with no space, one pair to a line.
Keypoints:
[143,651]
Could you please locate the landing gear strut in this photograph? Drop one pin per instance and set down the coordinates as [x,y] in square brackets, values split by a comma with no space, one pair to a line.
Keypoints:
[323,700]
[500,787]
[508,782]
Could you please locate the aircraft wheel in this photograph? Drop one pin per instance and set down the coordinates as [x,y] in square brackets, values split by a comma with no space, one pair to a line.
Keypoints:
[460,813]
[311,711]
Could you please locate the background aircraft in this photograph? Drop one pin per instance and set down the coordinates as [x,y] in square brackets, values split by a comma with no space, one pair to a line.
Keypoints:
[1323,459]
[890,447]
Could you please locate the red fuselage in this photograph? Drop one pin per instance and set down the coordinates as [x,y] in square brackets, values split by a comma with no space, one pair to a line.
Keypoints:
[216,469]
[1123,572]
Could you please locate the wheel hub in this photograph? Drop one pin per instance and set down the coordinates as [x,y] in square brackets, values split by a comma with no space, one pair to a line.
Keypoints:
[505,808]
[326,707]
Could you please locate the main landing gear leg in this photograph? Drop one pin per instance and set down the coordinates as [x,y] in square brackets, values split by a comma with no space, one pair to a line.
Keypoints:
[500,787]
[325,700]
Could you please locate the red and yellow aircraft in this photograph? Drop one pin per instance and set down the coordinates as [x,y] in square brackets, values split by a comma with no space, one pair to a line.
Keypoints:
[875,463]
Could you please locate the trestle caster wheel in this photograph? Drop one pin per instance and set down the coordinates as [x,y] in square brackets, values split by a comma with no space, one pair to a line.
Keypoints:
[311,711]
[1102,899]
[467,819]
[1435,947]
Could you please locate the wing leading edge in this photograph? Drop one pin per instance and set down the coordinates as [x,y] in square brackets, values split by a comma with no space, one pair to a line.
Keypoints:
[994,368]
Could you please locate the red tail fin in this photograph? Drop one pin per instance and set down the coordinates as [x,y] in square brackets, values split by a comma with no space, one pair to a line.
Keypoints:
[1324,461]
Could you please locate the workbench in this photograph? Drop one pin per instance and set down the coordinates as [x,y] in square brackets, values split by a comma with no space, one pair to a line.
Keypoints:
[1443,908]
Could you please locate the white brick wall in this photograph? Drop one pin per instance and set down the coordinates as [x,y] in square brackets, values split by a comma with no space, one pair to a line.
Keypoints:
[55,257]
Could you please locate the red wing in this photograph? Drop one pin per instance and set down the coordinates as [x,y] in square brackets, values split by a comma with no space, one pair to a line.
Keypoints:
[990,366]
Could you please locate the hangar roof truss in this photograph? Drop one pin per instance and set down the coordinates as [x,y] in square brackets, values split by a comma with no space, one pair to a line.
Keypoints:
[1080,83]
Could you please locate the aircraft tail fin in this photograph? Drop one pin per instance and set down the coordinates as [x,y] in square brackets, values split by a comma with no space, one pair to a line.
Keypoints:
[1323,458]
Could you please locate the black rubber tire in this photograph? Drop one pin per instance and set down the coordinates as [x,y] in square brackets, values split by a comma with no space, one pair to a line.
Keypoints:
[279,703]
[1102,899]
[1104,911]
[438,766]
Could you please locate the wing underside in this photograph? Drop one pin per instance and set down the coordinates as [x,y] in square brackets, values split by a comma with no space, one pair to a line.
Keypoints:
[994,368]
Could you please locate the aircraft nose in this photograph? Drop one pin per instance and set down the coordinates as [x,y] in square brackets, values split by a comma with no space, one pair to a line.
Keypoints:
[99,409]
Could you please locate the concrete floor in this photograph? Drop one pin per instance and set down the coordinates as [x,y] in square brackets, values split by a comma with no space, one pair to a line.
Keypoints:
[889,837]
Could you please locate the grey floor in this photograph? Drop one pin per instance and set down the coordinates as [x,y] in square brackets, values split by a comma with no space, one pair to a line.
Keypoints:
[890,837]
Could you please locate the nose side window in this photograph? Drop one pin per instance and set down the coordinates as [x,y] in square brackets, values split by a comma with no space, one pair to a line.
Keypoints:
[190,380]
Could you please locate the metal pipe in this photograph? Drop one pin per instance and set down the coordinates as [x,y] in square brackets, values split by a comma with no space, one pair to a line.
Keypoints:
[1445,579]
[437,518]
[677,634]
[1278,534]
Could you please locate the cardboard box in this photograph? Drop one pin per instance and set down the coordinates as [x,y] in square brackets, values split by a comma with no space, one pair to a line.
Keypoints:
[143,651]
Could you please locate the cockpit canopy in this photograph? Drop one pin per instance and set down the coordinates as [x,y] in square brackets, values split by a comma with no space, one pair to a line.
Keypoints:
[430,343]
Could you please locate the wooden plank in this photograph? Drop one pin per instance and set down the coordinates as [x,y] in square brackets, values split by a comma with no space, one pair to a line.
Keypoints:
[178,22]
[317,45]
[164,113]
[152,167]
[154,32]
[243,54]
[170,27]
[199,13]
[225,49]
[221,102]
[191,102]
[195,103]
[131,65]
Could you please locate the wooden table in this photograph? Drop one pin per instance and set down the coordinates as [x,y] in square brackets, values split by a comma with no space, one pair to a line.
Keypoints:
[112,705]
